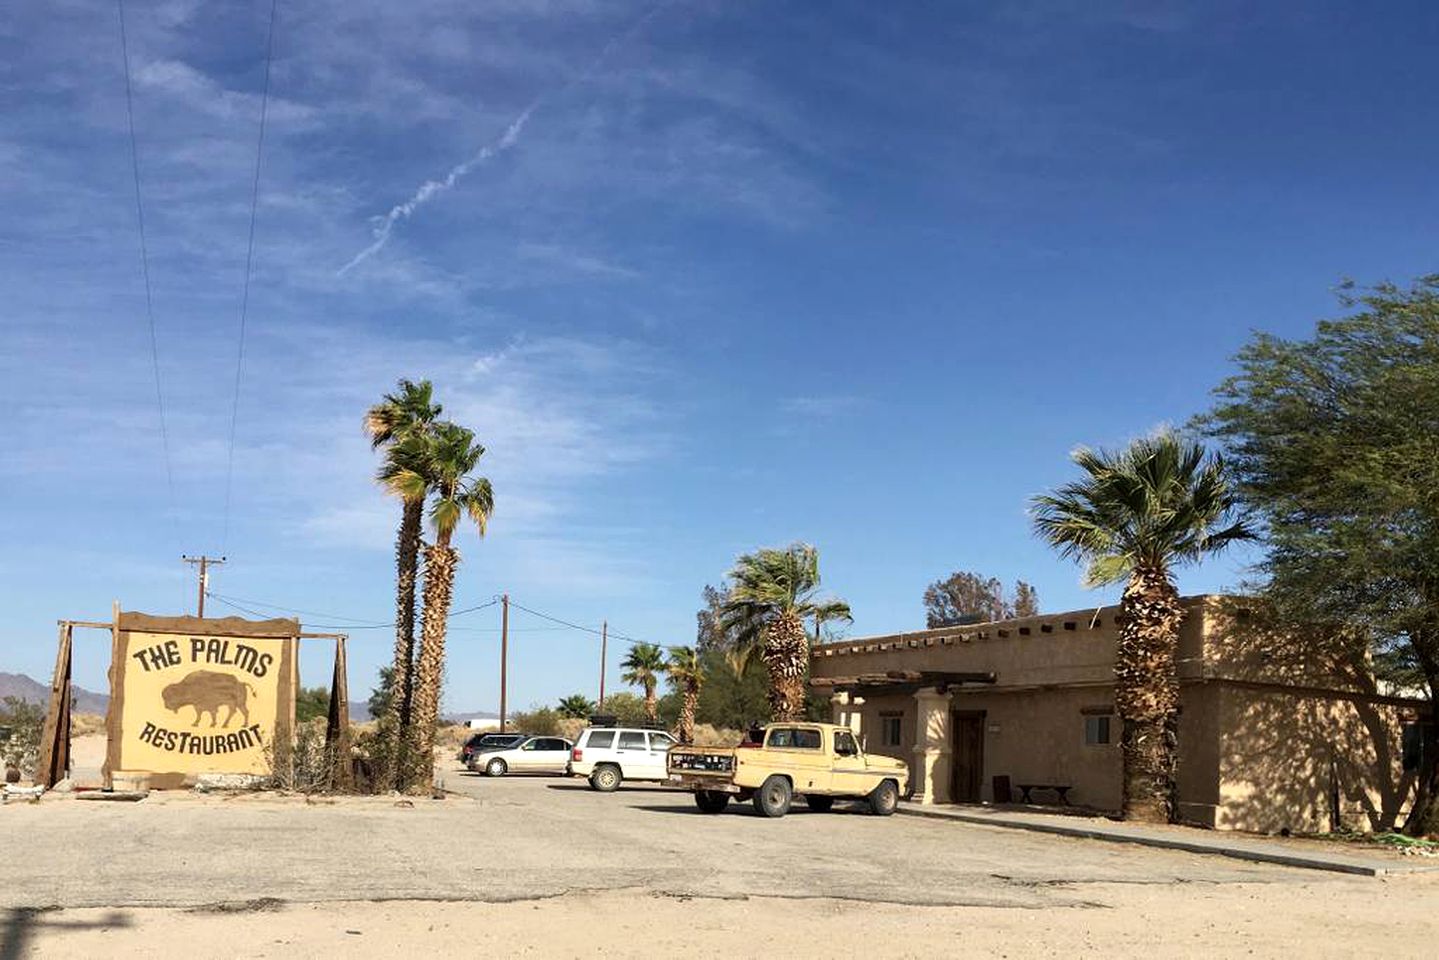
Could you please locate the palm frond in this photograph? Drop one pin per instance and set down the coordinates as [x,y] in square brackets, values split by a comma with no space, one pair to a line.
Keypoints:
[1160,501]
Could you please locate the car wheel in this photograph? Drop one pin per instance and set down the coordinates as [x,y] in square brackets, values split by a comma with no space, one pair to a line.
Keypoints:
[818,803]
[711,801]
[774,796]
[606,778]
[884,799]
[496,768]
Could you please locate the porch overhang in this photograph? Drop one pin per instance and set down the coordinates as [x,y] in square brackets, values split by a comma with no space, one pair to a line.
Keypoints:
[902,681]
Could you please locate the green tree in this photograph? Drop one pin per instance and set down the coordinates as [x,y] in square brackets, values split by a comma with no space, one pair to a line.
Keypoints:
[379,702]
[1135,515]
[771,594]
[628,709]
[966,597]
[687,676]
[576,706]
[730,699]
[399,423]
[449,463]
[642,667]
[1333,443]
[312,703]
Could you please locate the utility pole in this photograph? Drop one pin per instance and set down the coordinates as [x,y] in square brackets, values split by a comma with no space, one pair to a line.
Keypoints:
[204,564]
[504,655]
[604,642]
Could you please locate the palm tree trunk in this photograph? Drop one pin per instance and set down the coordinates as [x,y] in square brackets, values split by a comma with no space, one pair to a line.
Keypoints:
[651,703]
[407,562]
[686,729]
[786,656]
[441,561]
[1146,694]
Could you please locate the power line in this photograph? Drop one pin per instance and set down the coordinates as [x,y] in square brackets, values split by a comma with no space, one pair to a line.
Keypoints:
[249,264]
[573,626]
[353,624]
[312,613]
[145,266]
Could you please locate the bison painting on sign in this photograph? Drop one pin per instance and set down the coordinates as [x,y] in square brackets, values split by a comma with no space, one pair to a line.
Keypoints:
[192,696]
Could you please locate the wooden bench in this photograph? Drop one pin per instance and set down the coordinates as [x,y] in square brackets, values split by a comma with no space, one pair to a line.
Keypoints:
[1061,790]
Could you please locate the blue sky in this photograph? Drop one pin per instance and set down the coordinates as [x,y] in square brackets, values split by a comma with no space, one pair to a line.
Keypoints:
[708,276]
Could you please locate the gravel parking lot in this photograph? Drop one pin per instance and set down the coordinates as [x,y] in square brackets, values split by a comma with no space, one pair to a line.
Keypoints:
[503,847]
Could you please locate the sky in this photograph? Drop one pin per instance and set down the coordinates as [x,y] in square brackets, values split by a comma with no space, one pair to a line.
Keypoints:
[702,276]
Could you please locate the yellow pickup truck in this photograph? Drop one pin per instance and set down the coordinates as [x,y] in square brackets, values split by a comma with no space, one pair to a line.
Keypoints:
[818,761]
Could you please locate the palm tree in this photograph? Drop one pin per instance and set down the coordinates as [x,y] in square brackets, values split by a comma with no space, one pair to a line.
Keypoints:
[687,675]
[451,457]
[826,611]
[643,666]
[576,706]
[400,421]
[771,594]
[1135,515]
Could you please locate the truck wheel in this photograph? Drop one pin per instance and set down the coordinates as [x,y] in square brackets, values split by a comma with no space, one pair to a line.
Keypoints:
[774,796]
[884,799]
[495,768]
[819,804]
[606,778]
[711,801]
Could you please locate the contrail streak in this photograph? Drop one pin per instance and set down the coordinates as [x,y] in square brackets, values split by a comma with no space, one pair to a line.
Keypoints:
[385,225]
[430,188]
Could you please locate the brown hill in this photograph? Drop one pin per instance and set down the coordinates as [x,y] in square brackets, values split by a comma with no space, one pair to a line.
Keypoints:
[22,687]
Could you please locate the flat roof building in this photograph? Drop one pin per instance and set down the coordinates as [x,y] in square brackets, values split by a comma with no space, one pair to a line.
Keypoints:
[1276,730]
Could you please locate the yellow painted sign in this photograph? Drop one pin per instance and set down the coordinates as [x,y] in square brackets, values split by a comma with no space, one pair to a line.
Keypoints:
[199,702]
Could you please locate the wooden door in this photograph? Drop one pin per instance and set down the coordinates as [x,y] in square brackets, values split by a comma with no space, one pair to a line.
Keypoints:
[967,766]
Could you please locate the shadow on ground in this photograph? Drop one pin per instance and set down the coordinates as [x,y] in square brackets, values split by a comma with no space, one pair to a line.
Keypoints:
[624,788]
[23,923]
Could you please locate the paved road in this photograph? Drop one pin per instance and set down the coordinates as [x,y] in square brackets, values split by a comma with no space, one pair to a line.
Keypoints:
[528,837]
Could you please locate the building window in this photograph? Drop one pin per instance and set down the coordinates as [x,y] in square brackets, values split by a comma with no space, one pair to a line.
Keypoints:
[1096,730]
[890,730]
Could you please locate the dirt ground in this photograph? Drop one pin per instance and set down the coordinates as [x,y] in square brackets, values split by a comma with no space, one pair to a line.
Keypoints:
[545,867]
[1114,920]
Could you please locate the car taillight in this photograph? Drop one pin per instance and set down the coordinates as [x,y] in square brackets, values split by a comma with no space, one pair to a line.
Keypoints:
[577,754]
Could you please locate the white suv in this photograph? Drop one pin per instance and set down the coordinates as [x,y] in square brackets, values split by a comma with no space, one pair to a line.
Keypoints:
[611,755]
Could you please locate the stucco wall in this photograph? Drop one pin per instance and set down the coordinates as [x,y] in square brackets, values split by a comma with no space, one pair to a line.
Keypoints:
[1283,756]
[1037,736]
[1270,720]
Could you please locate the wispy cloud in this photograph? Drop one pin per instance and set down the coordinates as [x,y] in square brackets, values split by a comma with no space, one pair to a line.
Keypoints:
[821,406]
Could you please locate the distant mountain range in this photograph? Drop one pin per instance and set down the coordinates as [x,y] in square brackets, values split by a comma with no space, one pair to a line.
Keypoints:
[22,687]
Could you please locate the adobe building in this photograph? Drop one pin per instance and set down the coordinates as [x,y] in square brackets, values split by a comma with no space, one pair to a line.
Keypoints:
[1276,731]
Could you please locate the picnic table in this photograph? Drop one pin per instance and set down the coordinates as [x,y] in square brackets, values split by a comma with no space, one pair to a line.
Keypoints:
[1061,789]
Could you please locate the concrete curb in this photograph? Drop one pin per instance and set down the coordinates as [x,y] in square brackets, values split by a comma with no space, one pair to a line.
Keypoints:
[1303,861]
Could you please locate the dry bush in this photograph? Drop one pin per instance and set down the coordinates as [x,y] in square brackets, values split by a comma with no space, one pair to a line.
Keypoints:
[713,736]
[20,727]
[86,724]
[311,766]
[452,736]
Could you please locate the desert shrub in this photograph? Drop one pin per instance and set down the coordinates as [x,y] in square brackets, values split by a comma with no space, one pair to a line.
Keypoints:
[310,766]
[20,723]
[540,721]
